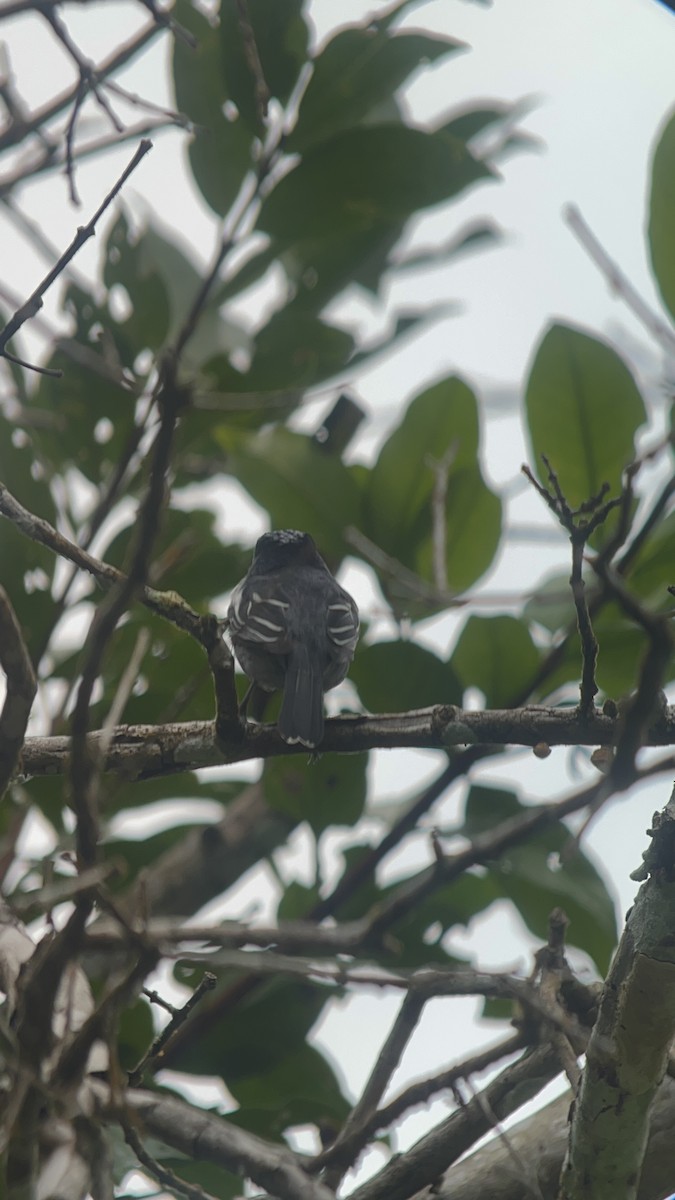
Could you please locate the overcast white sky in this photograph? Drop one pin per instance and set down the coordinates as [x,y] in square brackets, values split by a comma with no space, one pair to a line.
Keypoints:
[601,79]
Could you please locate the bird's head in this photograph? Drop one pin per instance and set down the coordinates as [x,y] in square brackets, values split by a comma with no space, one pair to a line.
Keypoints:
[284,548]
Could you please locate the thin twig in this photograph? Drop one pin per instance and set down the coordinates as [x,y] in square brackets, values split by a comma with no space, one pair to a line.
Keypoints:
[410,583]
[35,301]
[179,1017]
[163,1175]
[261,90]
[354,1135]
[618,281]
[20,693]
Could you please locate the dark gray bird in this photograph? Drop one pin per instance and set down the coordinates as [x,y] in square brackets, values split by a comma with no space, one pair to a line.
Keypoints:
[293,628]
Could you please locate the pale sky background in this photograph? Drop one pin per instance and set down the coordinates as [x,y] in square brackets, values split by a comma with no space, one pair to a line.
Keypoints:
[600,80]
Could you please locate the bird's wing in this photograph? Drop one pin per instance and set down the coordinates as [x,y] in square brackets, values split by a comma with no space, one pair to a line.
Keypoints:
[342,624]
[258,617]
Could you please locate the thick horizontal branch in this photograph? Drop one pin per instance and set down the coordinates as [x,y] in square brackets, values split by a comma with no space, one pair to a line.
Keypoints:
[148,751]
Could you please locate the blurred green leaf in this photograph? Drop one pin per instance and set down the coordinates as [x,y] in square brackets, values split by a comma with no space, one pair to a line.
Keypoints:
[126,264]
[189,558]
[583,409]
[297,901]
[396,676]
[473,121]
[136,1032]
[552,605]
[474,236]
[363,177]
[441,423]
[271,1025]
[294,349]
[331,791]
[300,487]
[537,879]
[220,152]
[90,411]
[298,1090]
[419,935]
[355,71]
[26,568]
[661,208]
[497,655]
[281,38]
[651,571]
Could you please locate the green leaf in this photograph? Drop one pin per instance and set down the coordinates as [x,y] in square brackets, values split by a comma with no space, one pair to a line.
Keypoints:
[281,38]
[126,264]
[583,409]
[420,933]
[297,901]
[474,236]
[299,485]
[136,1032]
[398,500]
[158,252]
[301,1089]
[469,124]
[652,570]
[293,350]
[355,72]
[396,676]
[271,1025]
[189,557]
[537,879]
[331,791]
[220,152]
[661,209]
[26,568]
[91,413]
[497,655]
[363,177]
[552,605]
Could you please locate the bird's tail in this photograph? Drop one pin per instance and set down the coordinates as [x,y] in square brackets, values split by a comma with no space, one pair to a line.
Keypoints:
[301,716]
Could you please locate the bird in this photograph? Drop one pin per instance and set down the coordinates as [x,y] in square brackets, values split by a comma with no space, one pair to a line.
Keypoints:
[293,628]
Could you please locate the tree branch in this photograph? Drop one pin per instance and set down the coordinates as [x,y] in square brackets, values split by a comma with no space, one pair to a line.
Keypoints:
[628,1050]
[21,688]
[148,751]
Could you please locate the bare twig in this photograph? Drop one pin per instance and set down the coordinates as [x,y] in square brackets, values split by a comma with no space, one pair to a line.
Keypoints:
[553,969]
[580,524]
[34,124]
[420,1093]
[648,701]
[260,89]
[167,604]
[354,1134]
[179,1017]
[183,1126]
[162,1174]
[433,1154]
[34,302]
[618,281]
[21,688]
[411,584]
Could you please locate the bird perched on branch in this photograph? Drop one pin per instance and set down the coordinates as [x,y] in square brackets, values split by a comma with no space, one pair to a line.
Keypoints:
[293,628]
